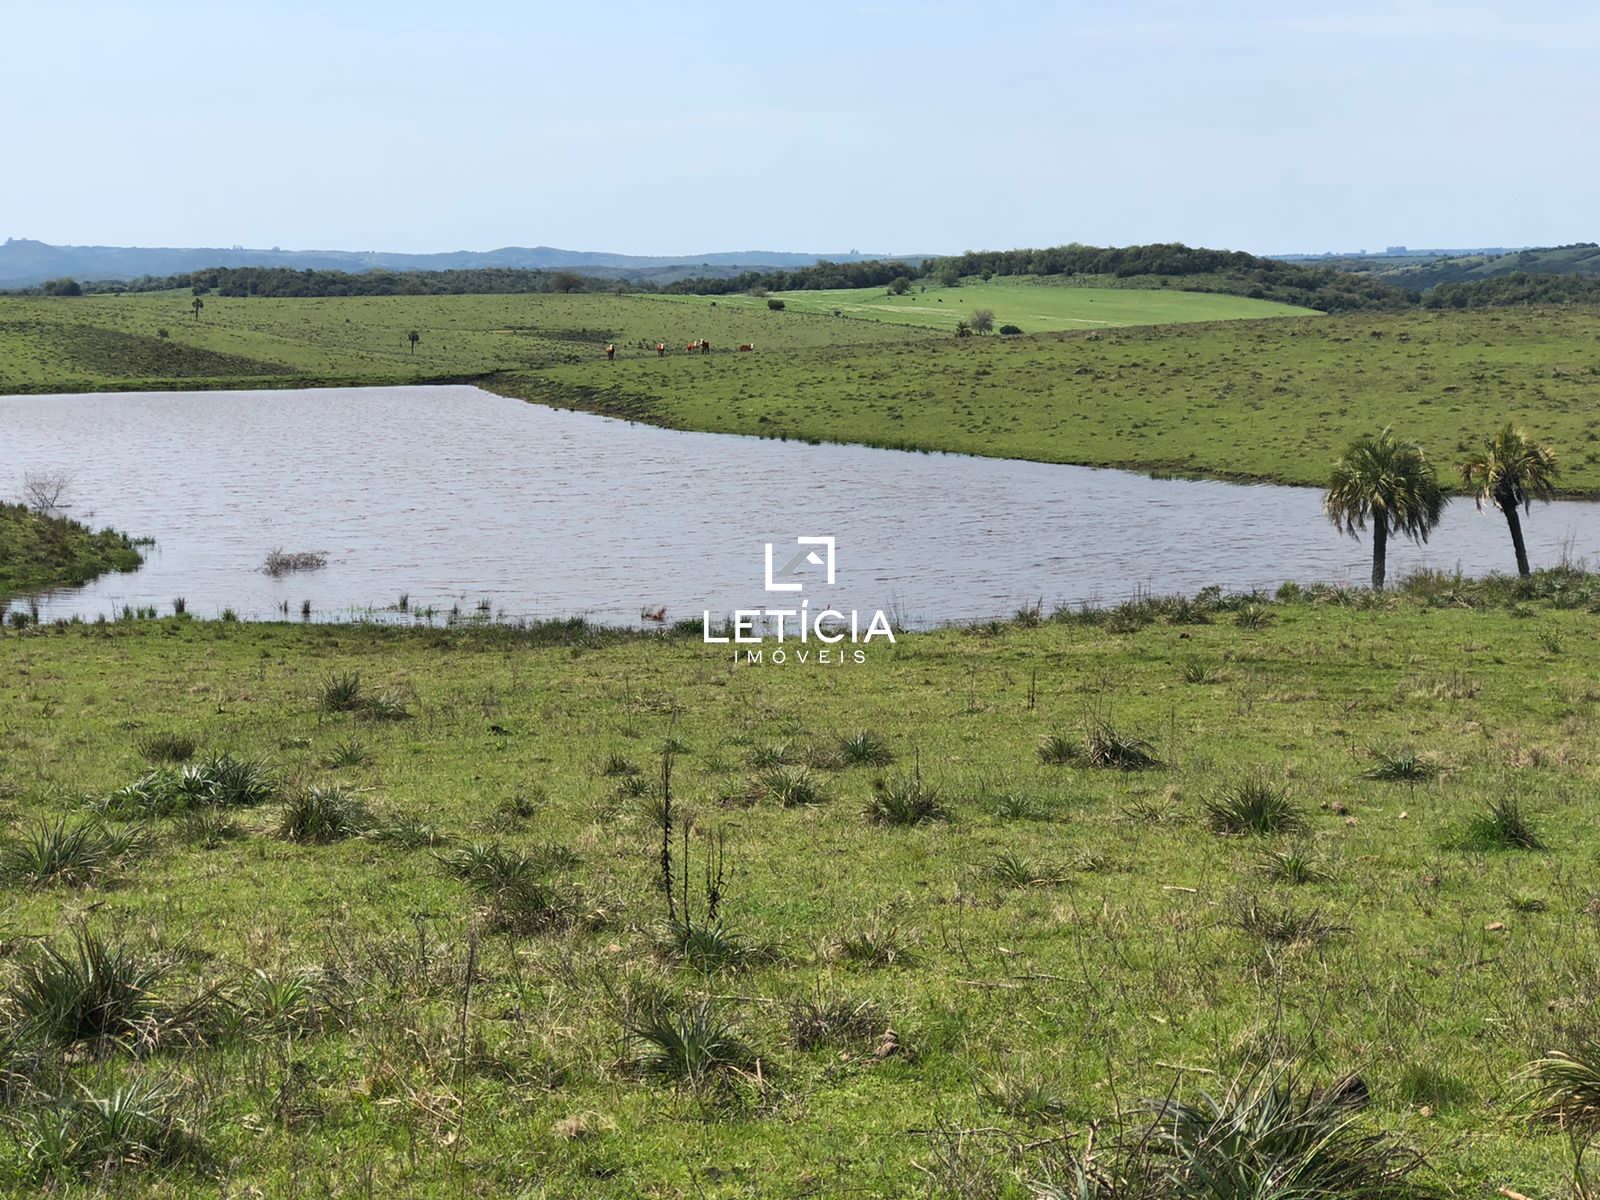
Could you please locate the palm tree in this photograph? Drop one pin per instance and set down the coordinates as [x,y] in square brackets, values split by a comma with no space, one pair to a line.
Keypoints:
[1511,472]
[1390,483]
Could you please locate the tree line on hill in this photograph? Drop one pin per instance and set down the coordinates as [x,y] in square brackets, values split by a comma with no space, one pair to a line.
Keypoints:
[1175,265]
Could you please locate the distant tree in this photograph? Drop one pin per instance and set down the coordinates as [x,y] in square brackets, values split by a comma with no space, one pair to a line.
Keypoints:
[1511,472]
[413,337]
[162,333]
[1390,483]
[981,320]
[775,305]
[63,287]
[199,289]
[566,281]
[197,305]
[963,329]
[947,273]
[1009,331]
[899,285]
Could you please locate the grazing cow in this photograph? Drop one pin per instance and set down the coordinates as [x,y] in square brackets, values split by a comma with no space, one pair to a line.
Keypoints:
[692,347]
[611,351]
[661,349]
[747,345]
[705,346]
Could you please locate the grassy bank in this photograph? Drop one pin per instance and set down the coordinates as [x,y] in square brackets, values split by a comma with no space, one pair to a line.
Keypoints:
[38,552]
[349,997]
[1267,399]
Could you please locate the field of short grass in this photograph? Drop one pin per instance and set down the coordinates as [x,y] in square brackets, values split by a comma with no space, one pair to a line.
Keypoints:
[1034,305]
[974,896]
[1275,400]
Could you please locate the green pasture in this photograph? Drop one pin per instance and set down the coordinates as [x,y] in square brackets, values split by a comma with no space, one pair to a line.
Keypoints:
[1058,942]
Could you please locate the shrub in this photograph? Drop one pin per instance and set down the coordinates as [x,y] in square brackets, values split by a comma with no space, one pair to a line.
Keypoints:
[136,1125]
[775,304]
[1009,331]
[220,781]
[1057,749]
[1564,1086]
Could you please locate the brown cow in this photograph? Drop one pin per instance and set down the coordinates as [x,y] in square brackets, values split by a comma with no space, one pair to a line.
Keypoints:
[661,349]
[692,347]
[705,346]
[611,351]
[747,345]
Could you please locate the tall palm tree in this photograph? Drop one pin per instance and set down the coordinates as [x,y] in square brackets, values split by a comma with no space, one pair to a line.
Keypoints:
[1390,483]
[1511,472]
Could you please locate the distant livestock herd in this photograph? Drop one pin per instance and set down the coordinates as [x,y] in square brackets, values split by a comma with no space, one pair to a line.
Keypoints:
[702,347]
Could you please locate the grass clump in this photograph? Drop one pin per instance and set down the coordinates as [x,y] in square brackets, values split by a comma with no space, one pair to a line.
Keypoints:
[792,786]
[1297,864]
[1401,766]
[1010,869]
[1254,806]
[873,945]
[904,801]
[1283,926]
[840,1022]
[319,815]
[220,781]
[94,990]
[345,693]
[1500,826]
[1058,750]
[863,748]
[347,754]
[1564,1085]
[159,748]
[689,1043]
[1268,1136]
[136,1125]
[1024,1093]
[60,852]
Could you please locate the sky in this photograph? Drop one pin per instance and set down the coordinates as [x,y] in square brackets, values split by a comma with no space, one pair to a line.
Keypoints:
[816,127]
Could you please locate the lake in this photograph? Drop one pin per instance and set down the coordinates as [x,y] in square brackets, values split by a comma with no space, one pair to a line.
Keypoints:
[456,497]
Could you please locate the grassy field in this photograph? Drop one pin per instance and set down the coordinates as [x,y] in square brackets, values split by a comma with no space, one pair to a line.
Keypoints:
[346,997]
[1035,305]
[1273,400]
[38,551]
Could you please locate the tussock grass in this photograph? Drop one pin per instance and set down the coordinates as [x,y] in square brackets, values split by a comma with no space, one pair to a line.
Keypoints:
[1254,805]
[96,989]
[836,1022]
[1501,825]
[64,852]
[792,786]
[219,781]
[1401,766]
[689,1043]
[136,1125]
[904,800]
[159,748]
[863,748]
[318,815]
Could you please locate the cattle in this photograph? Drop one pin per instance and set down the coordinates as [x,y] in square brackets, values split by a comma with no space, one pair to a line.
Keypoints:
[692,347]
[705,346]
[747,346]
[661,349]
[611,351]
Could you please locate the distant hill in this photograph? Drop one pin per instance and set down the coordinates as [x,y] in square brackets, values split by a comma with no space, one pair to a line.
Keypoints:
[1419,272]
[26,263]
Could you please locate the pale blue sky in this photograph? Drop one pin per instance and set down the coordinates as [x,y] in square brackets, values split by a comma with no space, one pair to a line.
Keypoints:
[902,127]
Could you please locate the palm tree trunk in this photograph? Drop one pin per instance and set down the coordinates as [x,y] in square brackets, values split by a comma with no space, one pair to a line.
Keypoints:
[1517,544]
[1380,547]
